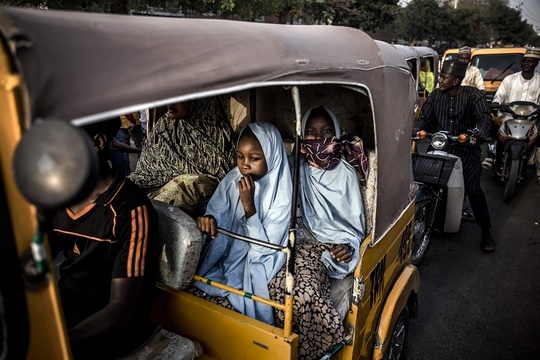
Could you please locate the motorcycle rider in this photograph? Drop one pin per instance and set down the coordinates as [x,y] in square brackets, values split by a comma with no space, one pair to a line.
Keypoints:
[473,77]
[521,86]
[456,109]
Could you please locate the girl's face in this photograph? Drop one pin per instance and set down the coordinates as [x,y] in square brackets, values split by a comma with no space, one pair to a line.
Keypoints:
[250,157]
[319,127]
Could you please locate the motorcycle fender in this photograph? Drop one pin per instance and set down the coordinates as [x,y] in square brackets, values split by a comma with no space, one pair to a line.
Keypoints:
[517,148]
[455,193]
[407,285]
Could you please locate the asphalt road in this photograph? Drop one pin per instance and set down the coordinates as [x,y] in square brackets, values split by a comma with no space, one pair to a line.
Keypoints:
[474,305]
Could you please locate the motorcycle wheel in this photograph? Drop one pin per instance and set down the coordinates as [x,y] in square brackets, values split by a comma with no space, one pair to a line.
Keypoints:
[422,235]
[511,180]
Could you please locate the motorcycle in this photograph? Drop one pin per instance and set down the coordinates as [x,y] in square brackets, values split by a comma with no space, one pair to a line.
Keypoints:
[441,190]
[517,136]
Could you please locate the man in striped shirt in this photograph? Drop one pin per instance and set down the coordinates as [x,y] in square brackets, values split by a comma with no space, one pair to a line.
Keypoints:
[457,109]
[110,248]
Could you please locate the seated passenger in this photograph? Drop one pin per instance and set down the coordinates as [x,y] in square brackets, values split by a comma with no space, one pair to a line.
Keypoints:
[426,77]
[253,200]
[188,151]
[330,227]
[109,263]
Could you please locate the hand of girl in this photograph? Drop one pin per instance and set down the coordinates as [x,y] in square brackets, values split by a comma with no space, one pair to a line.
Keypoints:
[246,186]
[342,253]
[208,225]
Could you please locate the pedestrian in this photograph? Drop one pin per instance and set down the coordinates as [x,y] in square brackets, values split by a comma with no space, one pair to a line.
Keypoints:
[457,109]
[521,86]
[473,77]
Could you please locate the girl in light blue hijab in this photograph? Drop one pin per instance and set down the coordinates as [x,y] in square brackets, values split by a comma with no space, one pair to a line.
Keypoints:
[254,200]
[331,200]
[330,228]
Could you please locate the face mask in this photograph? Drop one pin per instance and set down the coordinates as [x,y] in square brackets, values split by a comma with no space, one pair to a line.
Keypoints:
[322,153]
[327,152]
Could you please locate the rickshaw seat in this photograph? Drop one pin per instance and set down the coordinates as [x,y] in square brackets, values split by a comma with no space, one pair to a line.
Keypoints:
[181,243]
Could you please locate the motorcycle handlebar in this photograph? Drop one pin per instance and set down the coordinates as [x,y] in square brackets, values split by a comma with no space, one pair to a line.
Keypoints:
[461,138]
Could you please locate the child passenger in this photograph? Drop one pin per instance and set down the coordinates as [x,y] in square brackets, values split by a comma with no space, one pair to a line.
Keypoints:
[254,200]
[329,230]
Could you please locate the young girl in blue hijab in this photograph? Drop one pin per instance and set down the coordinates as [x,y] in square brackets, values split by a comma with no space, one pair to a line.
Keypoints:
[330,227]
[254,200]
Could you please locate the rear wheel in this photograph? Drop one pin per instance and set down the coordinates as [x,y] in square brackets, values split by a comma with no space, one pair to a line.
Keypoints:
[398,340]
[511,180]
[422,234]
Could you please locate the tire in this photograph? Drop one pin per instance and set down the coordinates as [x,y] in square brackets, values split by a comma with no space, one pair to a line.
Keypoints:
[398,339]
[511,180]
[421,235]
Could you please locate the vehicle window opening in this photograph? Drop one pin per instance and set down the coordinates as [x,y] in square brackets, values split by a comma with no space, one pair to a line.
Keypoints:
[275,105]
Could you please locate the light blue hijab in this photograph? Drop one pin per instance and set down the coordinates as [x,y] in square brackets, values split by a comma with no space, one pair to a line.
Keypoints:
[237,263]
[332,207]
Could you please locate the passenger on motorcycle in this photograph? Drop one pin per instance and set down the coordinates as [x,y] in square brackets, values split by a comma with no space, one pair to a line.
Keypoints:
[458,109]
[521,86]
[473,77]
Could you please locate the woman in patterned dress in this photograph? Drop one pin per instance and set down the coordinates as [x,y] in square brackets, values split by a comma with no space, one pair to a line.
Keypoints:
[330,227]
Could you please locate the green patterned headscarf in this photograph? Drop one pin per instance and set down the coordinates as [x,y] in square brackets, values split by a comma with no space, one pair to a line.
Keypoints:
[200,144]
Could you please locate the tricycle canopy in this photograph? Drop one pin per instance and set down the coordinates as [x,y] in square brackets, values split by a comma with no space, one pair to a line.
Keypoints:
[81,68]
[431,56]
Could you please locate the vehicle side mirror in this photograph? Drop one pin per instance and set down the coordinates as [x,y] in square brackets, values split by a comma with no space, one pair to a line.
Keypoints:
[55,164]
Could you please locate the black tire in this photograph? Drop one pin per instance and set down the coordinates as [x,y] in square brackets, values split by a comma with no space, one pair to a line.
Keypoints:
[398,338]
[511,180]
[421,235]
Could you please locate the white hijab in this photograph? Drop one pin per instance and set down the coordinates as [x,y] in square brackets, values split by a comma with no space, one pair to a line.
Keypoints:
[332,207]
[237,263]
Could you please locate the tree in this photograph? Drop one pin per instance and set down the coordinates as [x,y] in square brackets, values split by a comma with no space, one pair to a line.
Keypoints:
[423,20]
[507,26]
[365,15]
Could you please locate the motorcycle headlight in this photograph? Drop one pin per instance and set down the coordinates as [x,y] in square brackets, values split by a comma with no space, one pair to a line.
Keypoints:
[439,141]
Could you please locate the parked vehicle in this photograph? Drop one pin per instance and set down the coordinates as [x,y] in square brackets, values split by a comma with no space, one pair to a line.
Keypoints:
[431,58]
[63,70]
[441,190]
[517,135]
[449,54]
[412,58]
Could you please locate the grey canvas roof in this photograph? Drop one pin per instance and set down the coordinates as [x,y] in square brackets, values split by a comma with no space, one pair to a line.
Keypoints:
[79,66]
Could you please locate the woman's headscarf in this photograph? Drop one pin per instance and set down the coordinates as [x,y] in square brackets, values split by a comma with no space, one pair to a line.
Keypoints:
[237,263]
[201,144]
[332,206]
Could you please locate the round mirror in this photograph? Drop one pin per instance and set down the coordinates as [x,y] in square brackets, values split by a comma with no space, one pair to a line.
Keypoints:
[55,164]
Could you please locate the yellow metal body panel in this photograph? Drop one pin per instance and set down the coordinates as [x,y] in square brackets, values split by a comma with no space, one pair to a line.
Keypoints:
[408,282]
[380,266]
[224,334]
[384,269]
[47,337]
